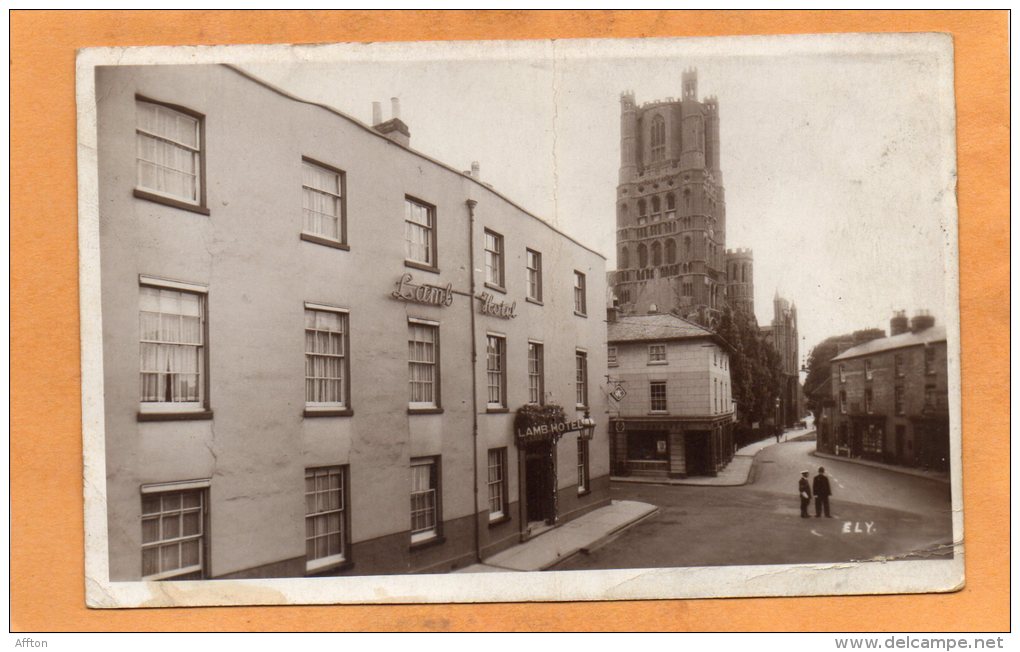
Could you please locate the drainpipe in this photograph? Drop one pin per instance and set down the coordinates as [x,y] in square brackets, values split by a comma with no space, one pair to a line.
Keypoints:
[471,203]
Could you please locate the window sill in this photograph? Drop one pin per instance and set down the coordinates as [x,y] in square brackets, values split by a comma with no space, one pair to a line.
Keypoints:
[326,242]
[199,415]
[581,314]
[580,407]
[168,201]
[329,412]
[663,413]
[422,266]
[496,410]
[430,410]
[497,288]
[493,522]
[344,565]
[612,364]
[428,543]
[537,302]
[658,362]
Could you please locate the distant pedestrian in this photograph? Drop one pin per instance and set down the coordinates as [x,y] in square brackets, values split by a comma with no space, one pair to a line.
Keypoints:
[822,491]
[805,493]
[778,433]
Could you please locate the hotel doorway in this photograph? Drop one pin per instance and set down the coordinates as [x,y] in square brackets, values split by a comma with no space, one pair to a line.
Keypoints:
[539,486]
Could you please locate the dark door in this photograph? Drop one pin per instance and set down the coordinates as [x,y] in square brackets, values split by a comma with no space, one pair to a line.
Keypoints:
[901,435]
[699,453]
[538,482]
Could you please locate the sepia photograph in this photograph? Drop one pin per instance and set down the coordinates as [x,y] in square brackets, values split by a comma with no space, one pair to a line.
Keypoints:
[520,320]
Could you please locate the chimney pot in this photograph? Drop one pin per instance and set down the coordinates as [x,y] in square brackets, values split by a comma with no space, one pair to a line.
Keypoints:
[376,113]
[476,170]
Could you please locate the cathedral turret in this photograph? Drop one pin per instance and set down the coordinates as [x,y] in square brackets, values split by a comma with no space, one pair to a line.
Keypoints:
[628,137]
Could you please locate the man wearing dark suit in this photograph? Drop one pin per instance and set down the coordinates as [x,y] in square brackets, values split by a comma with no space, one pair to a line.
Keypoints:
[805,493]
[822,492]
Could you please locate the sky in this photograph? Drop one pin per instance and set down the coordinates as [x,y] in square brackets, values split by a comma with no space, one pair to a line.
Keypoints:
[837,154]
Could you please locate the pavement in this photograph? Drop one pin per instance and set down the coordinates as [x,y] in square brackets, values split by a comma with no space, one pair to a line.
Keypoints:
[560,543]
[734,474]
[938,476]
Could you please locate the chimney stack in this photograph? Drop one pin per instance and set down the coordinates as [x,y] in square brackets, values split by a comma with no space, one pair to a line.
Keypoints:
[394,128]
[922,320]
[898,324]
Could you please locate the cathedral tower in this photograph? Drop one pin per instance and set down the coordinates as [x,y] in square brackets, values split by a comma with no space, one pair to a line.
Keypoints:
[671,210]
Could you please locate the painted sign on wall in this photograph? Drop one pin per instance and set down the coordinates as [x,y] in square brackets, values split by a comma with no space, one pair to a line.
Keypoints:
[553,431]
[422,293]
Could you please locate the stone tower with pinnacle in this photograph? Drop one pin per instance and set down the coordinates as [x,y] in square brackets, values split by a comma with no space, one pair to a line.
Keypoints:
[671,212]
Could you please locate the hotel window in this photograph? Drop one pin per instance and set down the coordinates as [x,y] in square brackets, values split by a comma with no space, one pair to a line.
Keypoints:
[657,395]
[536,374]
[898,394]
[326,362]
[611,356]
[423,364]
[425,499]
[656,353]
[898,362]
[867,400]
[842,373]
[493,259]
[930,400]
[581,376]
[497,484]
[929,361]
[842,402]
[580,300]
[534,263]
[868,373]
[322,201]
[325,516]
[168,143]
[173,534]
[172,347]
[495,366]
[583,486]
[419,232]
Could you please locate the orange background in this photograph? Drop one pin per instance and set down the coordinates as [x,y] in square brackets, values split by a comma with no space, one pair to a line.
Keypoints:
[47,585]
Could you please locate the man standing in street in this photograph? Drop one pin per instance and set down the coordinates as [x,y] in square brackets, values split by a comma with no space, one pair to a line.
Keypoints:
[822,492]
[805,493]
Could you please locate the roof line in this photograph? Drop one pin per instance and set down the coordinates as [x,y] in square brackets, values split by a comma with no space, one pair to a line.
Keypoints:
[844,356]
[369,129]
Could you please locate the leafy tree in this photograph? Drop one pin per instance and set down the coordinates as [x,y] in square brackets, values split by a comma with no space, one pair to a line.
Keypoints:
[755,374]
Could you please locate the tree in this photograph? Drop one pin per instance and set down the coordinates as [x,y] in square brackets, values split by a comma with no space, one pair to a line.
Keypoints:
[755,374]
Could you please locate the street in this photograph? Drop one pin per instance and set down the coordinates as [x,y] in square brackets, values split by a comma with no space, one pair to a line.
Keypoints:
[877,514]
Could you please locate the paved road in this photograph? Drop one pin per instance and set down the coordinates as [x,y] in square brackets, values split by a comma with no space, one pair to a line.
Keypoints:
[877,514]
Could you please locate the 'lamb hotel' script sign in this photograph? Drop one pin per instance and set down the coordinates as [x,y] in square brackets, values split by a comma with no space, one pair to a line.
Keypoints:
[424,293]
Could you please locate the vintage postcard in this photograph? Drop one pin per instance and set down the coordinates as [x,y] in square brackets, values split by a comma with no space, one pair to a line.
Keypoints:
[519,320]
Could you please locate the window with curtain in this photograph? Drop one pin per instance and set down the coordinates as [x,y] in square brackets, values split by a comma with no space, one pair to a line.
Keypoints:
[582,466]
[497,483]
[325,540]
[424,500]
[423,364]
[168,147]
[495,366]
[419,225]
[322,201]
[580,299]
[493,258]
[536,382]
[172,350]
[581,377]
[534,265]
[325,358]
[173,531]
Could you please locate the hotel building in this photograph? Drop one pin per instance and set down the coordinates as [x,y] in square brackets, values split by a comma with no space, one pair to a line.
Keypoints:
[315,340]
